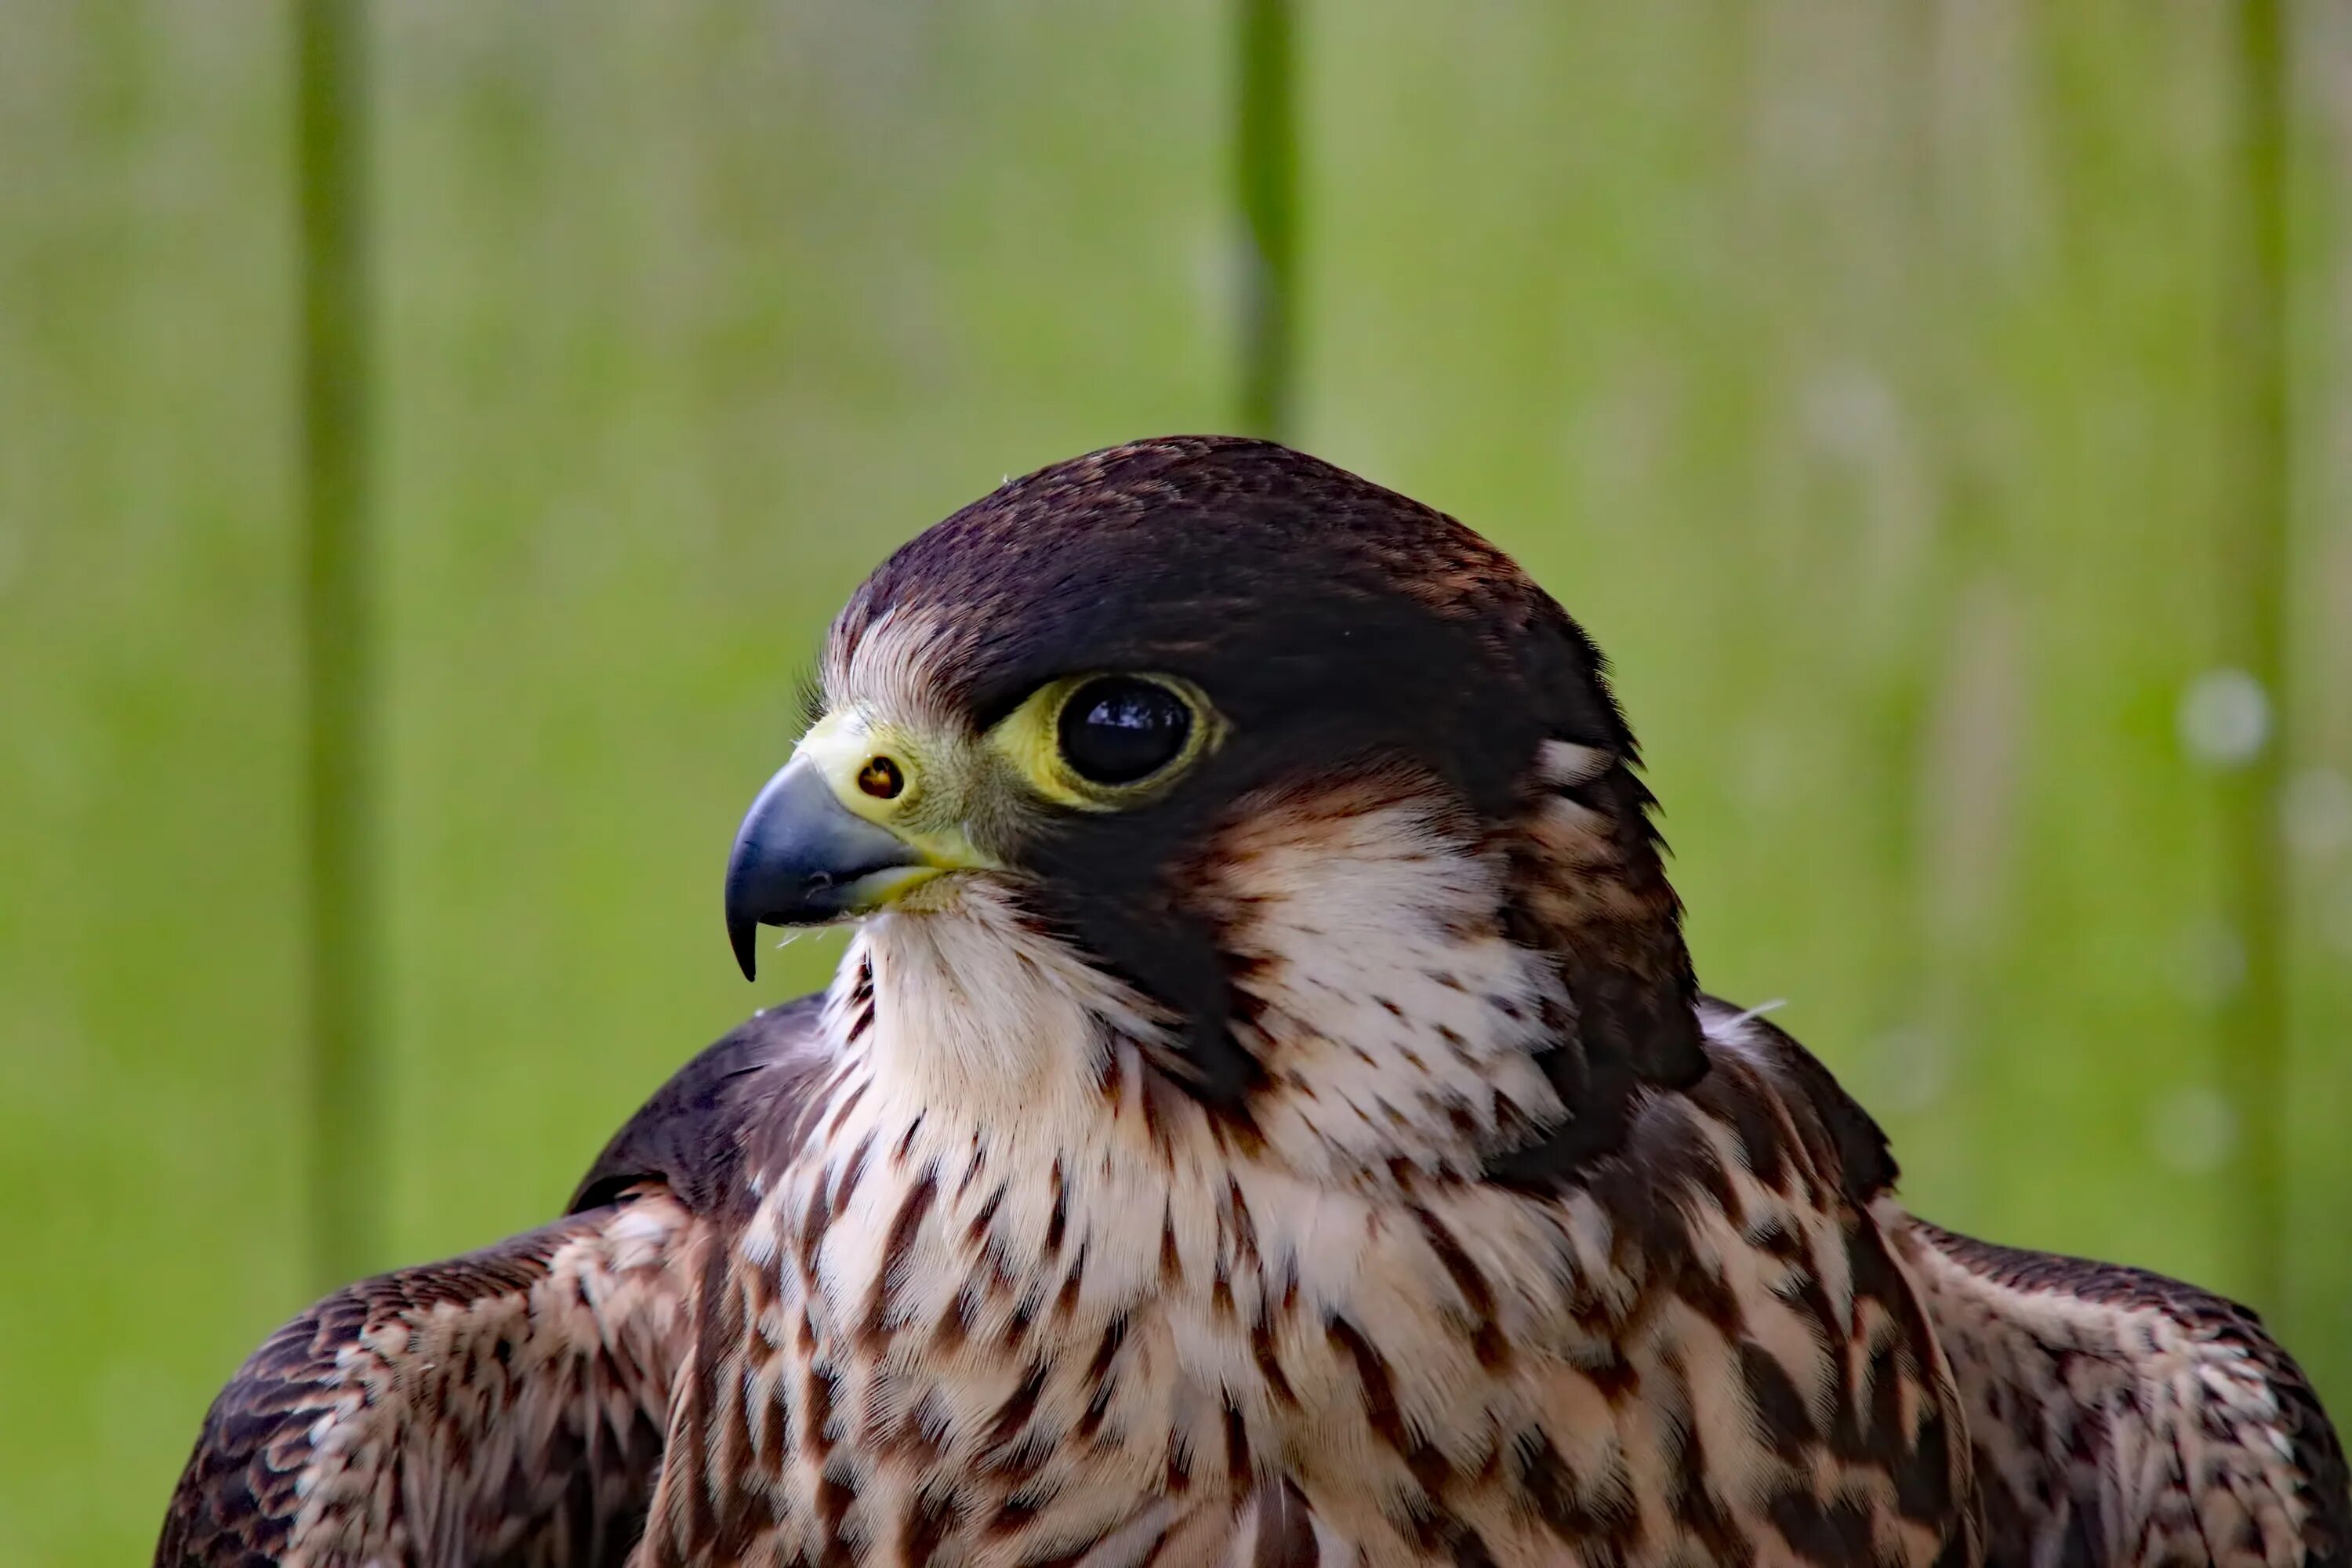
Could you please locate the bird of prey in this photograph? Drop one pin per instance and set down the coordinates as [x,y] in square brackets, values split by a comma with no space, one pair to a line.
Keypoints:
[1265,1115]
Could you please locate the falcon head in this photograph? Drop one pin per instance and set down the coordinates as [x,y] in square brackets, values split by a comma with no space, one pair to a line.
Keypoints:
[1299,788]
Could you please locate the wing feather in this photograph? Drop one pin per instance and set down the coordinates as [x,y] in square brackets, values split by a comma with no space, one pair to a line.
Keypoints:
[509,1406]
[2124,1419]
[505,1406]
[2120,1419]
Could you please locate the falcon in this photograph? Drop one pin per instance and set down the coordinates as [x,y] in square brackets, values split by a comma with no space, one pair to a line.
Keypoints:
[1264,1115]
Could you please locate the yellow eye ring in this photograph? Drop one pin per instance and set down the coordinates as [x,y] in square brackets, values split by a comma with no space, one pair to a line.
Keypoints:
[1135,735]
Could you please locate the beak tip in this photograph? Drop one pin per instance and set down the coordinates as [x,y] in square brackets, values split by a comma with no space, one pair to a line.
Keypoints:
[799,860]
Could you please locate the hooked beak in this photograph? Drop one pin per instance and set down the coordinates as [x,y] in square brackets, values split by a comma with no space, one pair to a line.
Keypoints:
[801,857]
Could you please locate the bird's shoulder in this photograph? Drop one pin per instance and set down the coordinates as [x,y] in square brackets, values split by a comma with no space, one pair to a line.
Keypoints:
[1771,1312]
[1753,1066]
[1764,1113]
[2122,1416]
[520,1388]
[730,1103]
[491,1406]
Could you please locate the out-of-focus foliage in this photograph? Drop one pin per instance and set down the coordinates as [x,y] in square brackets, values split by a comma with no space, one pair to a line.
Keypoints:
[1863,377]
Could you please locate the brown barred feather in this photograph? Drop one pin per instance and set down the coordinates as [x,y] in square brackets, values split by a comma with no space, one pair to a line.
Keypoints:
[1705,1350]
[505,1406]
[2119,1418]
[2122,1418]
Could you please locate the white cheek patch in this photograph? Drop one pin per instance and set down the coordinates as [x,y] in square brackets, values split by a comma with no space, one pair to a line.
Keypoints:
[1392,1016]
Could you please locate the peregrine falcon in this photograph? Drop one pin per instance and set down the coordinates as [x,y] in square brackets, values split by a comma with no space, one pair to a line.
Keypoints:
[1264,1115]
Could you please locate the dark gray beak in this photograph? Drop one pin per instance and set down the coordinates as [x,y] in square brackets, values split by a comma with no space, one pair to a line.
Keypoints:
[803,858]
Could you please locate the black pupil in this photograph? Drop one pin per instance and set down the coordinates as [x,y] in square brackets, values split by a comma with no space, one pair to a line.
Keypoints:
[1119,730]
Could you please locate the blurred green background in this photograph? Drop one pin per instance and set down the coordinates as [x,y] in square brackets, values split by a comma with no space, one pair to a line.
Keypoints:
[433,436]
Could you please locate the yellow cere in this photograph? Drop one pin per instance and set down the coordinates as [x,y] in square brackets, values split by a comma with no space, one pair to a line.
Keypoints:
[935,784]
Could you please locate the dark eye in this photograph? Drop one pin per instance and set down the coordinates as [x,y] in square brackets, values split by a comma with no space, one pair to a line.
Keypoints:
[1117,730]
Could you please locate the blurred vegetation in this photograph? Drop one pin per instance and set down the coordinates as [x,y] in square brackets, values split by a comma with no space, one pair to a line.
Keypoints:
[1890,389]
